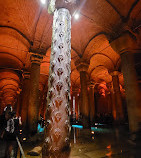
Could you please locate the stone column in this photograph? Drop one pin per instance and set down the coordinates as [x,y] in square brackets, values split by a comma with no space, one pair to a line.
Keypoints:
[33,109]
[117,96]
[25,99]
[82,67]
[91,103]
[75,93]
[112,96]
[57,141]
[125,45]
[18,99]
[43,105]
[131,89]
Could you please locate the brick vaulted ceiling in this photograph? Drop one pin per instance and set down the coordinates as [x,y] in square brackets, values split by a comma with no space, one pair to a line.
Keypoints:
[26,26]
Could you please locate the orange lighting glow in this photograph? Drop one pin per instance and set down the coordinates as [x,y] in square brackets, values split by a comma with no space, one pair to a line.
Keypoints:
[109,147]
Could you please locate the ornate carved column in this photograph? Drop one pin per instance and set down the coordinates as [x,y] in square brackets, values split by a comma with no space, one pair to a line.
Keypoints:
[82,67]
[25,98]
[117,96]
[125,45]
[91,102]
[33,109]
[57,143]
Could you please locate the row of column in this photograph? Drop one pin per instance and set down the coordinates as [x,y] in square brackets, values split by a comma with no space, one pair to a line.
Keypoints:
[130,83]
[131,87]
[87,107]
[29,108]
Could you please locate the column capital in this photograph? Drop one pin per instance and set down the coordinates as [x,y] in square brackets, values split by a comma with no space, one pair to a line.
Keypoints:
[125,43]
[36,58]
[114,73]
[82,65]
[91,84]
[26,75]
[75,90]
[71,5]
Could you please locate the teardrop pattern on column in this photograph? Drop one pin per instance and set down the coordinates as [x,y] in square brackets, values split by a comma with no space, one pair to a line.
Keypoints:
[58,102]
[57,117]
[57,143]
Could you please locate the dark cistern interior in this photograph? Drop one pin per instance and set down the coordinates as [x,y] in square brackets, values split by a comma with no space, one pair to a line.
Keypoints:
[70,78]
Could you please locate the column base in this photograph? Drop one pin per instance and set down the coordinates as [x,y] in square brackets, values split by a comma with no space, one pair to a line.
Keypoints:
[61,154]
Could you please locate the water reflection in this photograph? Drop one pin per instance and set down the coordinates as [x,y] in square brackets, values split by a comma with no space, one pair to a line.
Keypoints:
[78,132]
[109,151]
[100,141]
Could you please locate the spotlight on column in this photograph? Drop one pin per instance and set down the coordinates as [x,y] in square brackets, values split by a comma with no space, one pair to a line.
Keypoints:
[43,1]
[76,16]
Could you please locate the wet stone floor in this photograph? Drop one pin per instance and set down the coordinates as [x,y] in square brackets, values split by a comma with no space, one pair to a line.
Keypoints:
[99,142]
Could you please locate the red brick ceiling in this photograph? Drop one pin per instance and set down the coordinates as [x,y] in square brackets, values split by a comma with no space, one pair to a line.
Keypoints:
[25,26]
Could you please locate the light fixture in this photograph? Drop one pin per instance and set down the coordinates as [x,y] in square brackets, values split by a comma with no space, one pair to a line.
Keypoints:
[76,16]
[92,132]
[24,138]
[43,1]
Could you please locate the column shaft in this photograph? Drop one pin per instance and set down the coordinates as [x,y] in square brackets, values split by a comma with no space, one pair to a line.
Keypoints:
[25,101]
[84,99]
[131,89]
[57,142]
[92,105]
[76,106]
[75,95]
[117,96]
[33,110]
[113,105]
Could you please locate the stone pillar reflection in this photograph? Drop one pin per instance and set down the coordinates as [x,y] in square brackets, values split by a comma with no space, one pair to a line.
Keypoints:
[92,103]
[57,141]
[131,89]
[33,109]
[82,67]
[117,96]
[25,98]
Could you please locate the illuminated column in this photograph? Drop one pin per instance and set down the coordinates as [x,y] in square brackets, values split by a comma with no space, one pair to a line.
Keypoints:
[112,96]
[57,141]
[117,96]
[75,93]
[82,67]
[71,105]
[33,109]
[125,45]
[91,103]
[25,98]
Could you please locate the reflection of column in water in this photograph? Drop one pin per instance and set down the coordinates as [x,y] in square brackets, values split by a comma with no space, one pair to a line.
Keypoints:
[74,136]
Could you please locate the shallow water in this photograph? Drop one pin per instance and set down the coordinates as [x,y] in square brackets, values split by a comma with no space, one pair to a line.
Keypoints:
[101,141]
